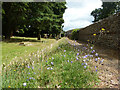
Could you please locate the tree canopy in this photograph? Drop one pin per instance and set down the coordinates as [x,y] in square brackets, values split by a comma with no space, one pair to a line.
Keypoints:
[108,8]
[36,18]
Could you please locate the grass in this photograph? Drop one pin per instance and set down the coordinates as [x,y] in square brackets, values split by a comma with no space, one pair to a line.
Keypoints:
[59,65]
[12,49]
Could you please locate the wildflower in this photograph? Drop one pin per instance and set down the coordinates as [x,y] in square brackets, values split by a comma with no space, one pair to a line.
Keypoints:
[30,78]
[28,73]
[28,66]
[96,54]
[52,63]
[48,68]
[51,68]
[77,54]
[91,47]
[64,55]
[103,29]
[82,63]
[46,61]
[76,58]
[96,59]
[71,61]
[52,57]
[24,84]
[67,60]
[27,79]
[94,34]
[64,50]
[84,66]
[83,60]
[32,67]
[101,61]
[87,59]
[91,55]
[95,67]
[96,70]
[9,86]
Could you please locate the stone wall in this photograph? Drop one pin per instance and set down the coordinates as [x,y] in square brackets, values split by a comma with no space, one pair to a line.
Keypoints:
[109,38]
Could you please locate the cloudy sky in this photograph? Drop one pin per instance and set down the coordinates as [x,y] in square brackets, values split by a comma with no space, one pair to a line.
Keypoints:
[77,14]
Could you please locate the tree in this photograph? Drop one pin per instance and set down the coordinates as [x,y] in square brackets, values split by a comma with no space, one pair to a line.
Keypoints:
[13,15]
[108,8]
[43,17]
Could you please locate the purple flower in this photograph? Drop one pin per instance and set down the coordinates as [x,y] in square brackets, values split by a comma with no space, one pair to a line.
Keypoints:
[76,58]
[93,51]
[64,50]
[101,61]
[95,67]
[96,59]
[52,63]
[91,55]
[46,61]
[28,73]
[91,47]
[30,78]
[67,60]
[24,84]
[84,66]
[77,54]
[27,79]
[82,63]
[83,60]
[32,67]
[71,61]
[28,66]
[96,54]
[48,68]
[96,70]
[51,68]
[64,55]
[52,57]
[78,50]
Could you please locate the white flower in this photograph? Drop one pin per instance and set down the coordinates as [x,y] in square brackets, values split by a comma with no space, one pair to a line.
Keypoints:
[24,84]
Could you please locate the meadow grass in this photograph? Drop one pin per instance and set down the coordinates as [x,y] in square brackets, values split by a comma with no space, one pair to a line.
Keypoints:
[11,49]
[59,65]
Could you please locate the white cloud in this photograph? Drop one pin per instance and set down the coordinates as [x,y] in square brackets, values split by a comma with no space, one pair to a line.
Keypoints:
[77,15]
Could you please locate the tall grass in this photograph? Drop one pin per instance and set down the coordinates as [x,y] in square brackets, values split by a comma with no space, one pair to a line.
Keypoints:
[60,65]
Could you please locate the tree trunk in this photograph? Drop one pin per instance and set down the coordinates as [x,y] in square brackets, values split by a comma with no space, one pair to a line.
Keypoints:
[39,35]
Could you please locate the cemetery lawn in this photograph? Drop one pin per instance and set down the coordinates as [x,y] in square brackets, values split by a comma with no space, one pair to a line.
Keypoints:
[12,49]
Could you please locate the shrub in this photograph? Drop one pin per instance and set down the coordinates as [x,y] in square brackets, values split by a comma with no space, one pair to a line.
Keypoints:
[74,35]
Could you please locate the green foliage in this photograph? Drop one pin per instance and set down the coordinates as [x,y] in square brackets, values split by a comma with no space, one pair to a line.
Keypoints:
[75,34]
[56,68]
[108,8]
[43,17]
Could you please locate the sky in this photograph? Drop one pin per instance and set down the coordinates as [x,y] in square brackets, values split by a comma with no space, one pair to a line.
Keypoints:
[77,14]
